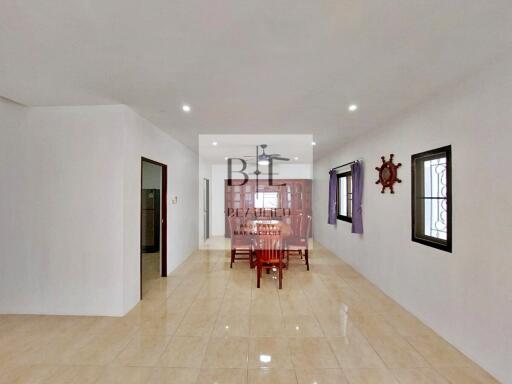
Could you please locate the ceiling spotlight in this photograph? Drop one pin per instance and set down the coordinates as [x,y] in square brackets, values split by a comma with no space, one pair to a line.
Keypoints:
[352,107]
[295,158]
[186,108]
[313,143]
[214,143]
[226,158]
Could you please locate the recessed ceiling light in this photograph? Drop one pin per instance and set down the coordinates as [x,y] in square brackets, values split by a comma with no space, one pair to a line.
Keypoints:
[226,158]
[295,158]
[352,107]
[313,143]
[186,108]
[214,143]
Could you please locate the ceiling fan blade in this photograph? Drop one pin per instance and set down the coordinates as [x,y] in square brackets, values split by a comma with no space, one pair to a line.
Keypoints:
[274,154]
[280,158]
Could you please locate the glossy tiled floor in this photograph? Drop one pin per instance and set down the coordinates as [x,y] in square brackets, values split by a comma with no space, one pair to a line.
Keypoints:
[150,270]
[208,324]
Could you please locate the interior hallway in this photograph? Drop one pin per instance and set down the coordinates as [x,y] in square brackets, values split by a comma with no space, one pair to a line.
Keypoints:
[208,324]
[150,271]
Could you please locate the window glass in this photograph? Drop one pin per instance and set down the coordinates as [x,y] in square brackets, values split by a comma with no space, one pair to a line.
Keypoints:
[431,197]
[266,200]
[345,196]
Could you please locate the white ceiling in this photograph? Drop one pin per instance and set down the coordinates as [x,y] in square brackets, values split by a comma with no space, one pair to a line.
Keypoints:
[242,146]
[247,66]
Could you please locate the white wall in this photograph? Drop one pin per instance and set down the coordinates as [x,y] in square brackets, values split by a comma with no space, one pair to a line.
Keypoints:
[60,226]
[466,296]
[142,139]
[70,207]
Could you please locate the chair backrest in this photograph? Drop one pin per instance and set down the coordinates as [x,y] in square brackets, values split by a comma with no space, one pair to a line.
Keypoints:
[269,248]
[295,224]
[305,227]
[268,229]
[236,225]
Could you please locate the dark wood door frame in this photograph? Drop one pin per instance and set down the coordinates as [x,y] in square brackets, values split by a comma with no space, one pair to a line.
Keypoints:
[163,248]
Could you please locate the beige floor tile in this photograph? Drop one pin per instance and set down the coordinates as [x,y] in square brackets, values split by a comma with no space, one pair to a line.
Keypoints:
[174,376]
[397,352]
[337,325]
[222,376]
[112,325]
[125,375]
[370,376]
[196,324]
[96,349]
[266,325]
[164,324]
[266,303]
[269,352]
[321,376]
[418,376]
[207,306]
[27,374]
[186,352]
[372,325]
[232,324]
[68,374]
[467,375]
[355,353]
[272,376]
[406,324]
[227,352]
[143,350]
[234,305]
[45,349]
[438,352]
[302,326]
[294,303]
[312,353]
[325,325]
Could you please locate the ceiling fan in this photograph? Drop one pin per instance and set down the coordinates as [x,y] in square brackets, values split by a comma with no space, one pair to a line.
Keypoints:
[264,158]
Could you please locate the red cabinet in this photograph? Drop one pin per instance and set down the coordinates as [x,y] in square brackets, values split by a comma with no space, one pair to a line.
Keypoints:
[294,194]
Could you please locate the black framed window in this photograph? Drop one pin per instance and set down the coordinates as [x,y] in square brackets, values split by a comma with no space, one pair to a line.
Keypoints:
[344,201]
[432,198]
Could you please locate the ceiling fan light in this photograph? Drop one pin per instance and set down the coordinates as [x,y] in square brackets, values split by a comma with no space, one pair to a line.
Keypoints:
[263,162]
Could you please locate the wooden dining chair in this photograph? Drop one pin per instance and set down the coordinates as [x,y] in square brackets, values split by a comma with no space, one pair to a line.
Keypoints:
[241,241]
[269,250]
[298,241]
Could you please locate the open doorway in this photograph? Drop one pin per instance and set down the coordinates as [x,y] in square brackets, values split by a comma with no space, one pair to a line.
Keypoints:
[206,209]
[153,223]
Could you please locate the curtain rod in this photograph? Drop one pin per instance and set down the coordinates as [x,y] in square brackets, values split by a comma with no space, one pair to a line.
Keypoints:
[344,165]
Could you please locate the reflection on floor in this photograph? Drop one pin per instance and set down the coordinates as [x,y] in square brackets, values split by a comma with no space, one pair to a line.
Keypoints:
[208,324]
[150,271]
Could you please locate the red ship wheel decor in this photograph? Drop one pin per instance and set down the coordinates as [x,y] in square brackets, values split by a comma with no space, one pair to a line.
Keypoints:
[388,174]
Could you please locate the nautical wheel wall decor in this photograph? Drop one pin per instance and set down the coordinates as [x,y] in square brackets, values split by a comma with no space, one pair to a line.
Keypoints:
[388,173]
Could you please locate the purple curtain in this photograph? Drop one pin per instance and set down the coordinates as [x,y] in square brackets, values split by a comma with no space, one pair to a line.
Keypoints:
[357,197]
[333,191]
